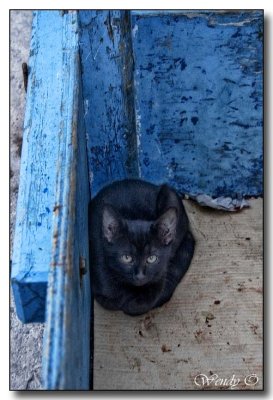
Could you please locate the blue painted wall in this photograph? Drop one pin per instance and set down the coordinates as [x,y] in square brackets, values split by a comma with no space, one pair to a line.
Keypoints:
[193,83]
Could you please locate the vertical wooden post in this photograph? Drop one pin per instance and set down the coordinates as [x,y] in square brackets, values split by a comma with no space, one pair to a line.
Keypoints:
[50,264]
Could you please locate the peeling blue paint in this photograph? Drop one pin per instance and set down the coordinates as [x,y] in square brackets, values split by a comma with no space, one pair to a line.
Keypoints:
[211,99]
[38,173]
[190,86]
[107,73]
[51,236]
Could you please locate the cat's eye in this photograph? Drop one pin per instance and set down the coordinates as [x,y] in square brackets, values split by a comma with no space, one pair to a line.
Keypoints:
[152,259]
[126,258]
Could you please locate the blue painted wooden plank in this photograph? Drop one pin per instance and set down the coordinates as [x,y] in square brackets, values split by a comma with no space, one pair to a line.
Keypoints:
[198,100]
[43,127]
[107,73]
[194,101]
[50,260]
[66,353]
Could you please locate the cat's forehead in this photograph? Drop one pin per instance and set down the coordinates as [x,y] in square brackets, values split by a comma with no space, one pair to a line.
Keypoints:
[139,232]
[139,225]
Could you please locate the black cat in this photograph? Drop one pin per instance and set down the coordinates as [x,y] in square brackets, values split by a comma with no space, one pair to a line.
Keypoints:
[140,245]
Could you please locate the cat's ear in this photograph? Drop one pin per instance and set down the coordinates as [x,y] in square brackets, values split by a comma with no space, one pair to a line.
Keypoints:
[111,223]
[166,198]
[166,226]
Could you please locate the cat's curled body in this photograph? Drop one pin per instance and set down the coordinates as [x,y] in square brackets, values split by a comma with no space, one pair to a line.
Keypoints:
[140,245]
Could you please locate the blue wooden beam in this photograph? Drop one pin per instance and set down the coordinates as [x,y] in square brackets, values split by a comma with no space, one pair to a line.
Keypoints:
[45,120]
[66,354]
[50,260]
[107,73]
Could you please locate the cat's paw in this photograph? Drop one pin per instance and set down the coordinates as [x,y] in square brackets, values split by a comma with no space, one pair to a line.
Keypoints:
[109,304]
[136,306]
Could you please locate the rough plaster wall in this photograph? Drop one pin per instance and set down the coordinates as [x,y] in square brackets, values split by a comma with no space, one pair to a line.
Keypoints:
[25,340]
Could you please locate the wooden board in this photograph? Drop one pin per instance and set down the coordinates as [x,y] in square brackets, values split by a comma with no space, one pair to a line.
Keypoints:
[212,325]
[175,97]
[198,79]
[40,151]
[107,73]
[51,256]
[66,352]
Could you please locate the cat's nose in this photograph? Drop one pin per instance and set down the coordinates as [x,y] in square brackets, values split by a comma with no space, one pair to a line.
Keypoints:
[140,278]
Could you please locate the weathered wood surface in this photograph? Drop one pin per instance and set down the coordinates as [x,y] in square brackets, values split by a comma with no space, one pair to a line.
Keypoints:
[42,138]
[107,74]
[212,325]
[198,91]
[178,98]
[52,216]
[66,353]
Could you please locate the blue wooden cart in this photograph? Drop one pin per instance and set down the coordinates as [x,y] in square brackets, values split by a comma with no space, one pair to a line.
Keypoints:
[166,96]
